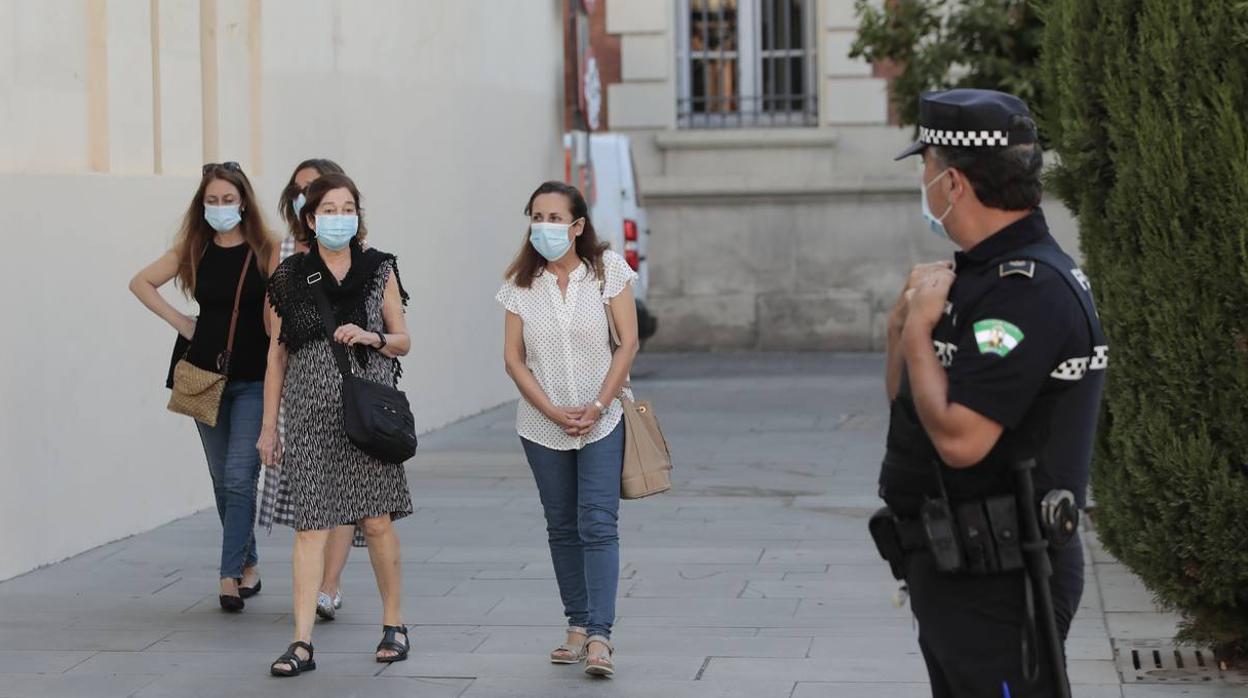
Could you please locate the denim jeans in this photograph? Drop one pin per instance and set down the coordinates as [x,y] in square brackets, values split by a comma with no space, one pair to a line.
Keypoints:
[234,465]
[580,492]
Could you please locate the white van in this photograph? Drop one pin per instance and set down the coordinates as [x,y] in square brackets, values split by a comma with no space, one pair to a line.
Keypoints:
[615,208]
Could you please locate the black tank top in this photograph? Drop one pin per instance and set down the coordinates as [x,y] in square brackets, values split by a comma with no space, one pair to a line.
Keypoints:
[215,283]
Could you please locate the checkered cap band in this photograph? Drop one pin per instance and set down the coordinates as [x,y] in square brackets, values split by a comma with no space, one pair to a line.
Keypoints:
[963,139]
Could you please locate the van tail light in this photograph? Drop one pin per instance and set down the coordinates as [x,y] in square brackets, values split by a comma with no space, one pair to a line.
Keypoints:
[630,244]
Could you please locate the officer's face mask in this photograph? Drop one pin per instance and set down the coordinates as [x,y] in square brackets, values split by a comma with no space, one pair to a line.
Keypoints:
[936,224]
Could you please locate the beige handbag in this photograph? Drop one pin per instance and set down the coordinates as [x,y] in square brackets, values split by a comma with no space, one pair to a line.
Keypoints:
[647,459]
[196,391]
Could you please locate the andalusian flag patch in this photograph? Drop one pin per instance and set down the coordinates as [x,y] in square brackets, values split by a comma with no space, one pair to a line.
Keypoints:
[997,337]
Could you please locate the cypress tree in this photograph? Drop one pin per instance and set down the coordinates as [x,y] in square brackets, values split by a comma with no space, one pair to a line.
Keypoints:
[1148,112]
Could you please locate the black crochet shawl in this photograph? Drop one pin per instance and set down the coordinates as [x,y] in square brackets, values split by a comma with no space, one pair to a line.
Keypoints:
[292,299]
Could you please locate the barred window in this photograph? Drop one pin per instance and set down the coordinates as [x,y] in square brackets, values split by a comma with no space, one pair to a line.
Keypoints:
[746,63]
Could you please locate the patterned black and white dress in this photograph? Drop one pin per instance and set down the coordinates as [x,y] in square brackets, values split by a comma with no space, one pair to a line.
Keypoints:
[326,480]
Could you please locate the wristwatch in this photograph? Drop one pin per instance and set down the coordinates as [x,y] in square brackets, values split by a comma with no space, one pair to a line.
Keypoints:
[600,406]
[383,340]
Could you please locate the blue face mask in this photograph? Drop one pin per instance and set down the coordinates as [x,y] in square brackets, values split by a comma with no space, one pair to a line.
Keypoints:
[936,225]
[223,218]
[298,203]
[550,239]
[335,232]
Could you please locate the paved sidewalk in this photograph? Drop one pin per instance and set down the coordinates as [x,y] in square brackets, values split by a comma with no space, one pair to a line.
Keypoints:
[753,579]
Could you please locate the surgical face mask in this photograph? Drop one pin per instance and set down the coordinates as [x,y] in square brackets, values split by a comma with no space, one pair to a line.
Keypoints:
[936,225]
[223,218]
[550,239]
[298,203]
[335,232]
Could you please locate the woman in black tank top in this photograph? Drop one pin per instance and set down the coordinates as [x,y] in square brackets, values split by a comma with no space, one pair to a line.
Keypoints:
[223,239]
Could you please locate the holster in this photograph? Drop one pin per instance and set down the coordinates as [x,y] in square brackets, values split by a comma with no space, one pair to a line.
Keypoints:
[883,529]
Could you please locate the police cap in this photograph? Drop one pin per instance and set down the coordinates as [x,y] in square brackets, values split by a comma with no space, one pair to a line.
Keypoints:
[967,118]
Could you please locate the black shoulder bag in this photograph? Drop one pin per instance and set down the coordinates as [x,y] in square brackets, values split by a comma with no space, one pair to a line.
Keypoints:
[378,418]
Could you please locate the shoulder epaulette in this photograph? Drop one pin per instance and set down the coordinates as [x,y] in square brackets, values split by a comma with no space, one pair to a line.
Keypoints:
[1021,267]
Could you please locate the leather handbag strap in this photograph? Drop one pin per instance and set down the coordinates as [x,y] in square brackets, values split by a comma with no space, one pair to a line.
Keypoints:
[315,281]
[613,335]
[238,296]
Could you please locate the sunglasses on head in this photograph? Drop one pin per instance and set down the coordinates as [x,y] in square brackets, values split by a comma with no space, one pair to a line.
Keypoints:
[231,166]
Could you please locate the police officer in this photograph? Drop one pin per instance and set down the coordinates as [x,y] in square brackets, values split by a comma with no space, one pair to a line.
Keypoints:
[995,368]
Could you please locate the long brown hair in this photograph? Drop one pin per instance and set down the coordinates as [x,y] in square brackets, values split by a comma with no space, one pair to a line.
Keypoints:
[528,263]
[316,192]
[195,234]
[286,202]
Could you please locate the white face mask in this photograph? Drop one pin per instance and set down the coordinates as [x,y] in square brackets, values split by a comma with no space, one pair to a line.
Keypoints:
[551,240]
[937,225]
[223,218]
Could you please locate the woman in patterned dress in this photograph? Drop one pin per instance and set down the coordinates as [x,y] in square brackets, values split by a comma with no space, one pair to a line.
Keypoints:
[338,547]
[557,294]
[331,482]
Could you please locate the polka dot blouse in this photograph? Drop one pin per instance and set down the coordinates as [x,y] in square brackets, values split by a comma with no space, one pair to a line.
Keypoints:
[567,347]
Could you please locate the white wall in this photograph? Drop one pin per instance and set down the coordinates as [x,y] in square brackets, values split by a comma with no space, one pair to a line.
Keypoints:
[446,113]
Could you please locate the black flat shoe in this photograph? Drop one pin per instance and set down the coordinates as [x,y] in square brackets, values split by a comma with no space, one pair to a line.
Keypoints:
[292,660]
[231,604]
[390,641]
[248,592]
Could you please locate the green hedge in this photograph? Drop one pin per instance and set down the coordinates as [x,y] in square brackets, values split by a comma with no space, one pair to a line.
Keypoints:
[1148,110]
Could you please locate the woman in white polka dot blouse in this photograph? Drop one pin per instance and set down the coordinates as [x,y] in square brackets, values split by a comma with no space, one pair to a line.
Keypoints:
[557,349]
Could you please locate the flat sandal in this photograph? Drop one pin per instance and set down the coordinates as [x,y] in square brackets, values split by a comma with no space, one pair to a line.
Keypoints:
[390,641]
[292,660]
[570,654]
[597,663]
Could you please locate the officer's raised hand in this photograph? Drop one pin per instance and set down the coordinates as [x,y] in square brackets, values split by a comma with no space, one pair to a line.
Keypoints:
[926,301]
[897,318]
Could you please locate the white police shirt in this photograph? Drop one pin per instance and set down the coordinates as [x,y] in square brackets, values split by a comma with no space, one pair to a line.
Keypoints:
[567,346]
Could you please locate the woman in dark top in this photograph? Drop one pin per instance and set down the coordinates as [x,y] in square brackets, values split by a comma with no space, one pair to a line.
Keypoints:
[223,238]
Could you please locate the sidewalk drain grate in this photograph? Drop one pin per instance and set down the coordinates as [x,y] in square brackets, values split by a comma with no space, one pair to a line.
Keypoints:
[1159,661]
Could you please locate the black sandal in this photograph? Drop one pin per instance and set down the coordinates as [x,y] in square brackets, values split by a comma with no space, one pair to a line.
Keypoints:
[390,641]
[297,665]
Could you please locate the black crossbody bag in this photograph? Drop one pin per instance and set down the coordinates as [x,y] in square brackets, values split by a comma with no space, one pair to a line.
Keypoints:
[378,418]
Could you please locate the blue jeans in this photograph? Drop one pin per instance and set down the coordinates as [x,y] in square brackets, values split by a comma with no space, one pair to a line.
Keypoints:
[580,492]
[234,465]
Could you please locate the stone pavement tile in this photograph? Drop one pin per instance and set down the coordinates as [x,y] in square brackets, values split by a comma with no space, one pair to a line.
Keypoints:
[39,662]
[813,689]
[646,642]
[537,552]
[718,587]
[860,667]
[626,684]
[1098,672]
[850,585]
[537,666]
[900,627]
[1175,690]
[849,554]
[314,685]
[81,640]
[64,686]
[230,664]
[327,637]
[505,587]
[710,554]
[1122,591]
[738,609]
[1089,648]
[1133,626]
[144,619]
[878,605]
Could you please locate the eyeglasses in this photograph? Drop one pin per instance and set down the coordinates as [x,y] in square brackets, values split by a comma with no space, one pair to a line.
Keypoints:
[231,166]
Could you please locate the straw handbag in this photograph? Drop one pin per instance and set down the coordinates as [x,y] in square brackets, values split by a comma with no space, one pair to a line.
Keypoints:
[196,391]
[647,460]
